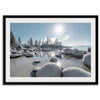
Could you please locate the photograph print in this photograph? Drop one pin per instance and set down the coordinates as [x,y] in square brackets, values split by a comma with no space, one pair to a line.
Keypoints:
[50,50]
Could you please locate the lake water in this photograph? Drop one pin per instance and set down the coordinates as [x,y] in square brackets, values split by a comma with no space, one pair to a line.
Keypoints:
[23,66]
[82,47]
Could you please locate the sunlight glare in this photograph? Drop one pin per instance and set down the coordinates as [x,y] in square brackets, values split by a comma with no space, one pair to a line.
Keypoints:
[58,63]
[58,29]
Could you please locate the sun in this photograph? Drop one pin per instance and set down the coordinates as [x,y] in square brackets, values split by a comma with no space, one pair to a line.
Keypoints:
[58,29]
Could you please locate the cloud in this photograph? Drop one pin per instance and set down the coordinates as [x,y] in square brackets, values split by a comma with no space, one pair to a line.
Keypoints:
[66,37]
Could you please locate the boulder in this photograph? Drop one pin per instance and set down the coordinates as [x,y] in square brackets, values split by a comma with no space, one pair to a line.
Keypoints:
[89,49]
[77,54]
[29,55]
[68,51]
[29,49]
[75,72]
[20,51]
[26,50]
[87,60]
[17,51]
[19,47]
[58,55]
[49,70]
[15,55]
[53,60]
[76,50]
[36,53]
[83,51]
[13,51]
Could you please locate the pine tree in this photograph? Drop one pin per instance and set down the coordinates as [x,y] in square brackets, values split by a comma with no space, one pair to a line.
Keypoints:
[31,42]
[56,42]
[28,42]
[12,39]
[39,42]
[36,43]
[19,40]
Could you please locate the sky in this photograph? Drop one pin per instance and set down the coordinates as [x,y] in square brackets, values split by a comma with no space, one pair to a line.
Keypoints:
[69,33]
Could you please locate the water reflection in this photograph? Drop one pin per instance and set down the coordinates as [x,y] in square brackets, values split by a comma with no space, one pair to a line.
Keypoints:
[48,54]
[67,56]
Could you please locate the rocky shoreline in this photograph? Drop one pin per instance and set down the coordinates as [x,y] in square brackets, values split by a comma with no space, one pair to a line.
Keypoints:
[53,70]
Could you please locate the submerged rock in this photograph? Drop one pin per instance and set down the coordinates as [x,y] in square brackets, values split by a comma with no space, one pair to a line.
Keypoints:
[53,60]
[15,55]
[75,72]
[37,61]
[87,60]
[49,70]
[29,55]
[68,51]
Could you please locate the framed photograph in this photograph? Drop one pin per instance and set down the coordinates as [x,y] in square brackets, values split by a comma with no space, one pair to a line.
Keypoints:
[50,50]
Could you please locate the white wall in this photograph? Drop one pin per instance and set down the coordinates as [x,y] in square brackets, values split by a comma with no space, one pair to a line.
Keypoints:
[47,7]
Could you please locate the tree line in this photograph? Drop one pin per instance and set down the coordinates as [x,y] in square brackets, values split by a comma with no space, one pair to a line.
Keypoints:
[42,43]
[14,42]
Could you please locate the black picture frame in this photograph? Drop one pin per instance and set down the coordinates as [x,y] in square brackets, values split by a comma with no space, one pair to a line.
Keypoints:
[49,83]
